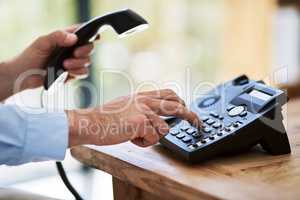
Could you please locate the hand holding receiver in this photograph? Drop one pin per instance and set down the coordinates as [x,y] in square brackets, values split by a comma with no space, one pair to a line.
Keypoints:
[124,22]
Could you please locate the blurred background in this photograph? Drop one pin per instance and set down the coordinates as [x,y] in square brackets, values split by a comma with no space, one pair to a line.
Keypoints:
[188,42]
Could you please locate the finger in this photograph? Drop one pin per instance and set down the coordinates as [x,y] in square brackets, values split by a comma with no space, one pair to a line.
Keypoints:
[62,38]
[161,127]
[139,142]
[74,64]
[49,42]
[166,94]
[72,29]
[79,72]
[171,108]
[84,51]
[149,136]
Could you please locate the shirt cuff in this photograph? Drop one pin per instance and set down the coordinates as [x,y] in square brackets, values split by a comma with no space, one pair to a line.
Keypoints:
[46,137]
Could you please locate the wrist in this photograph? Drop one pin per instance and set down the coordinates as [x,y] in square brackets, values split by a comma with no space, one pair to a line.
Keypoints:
[73,134]
[6,71]
[79,125]
[7,80]
[9,72]
[86,127]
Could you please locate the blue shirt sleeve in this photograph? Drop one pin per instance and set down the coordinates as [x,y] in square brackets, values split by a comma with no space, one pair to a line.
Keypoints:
[27,137]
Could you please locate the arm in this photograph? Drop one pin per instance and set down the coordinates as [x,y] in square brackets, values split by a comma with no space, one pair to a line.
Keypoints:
[27,137]
[7,78]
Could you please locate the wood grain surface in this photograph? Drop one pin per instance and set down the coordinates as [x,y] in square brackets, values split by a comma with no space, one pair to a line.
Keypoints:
[251,175]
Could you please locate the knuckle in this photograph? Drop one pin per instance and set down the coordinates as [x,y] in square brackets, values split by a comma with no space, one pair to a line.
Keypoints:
[90,46]
[143,99]
[179,106]
[57,34]
[85,70]
[88,60]
[140,119]
[41,38]
[153,139]
[170,92]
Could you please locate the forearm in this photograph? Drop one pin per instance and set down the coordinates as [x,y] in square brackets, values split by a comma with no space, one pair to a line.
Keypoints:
[16,76]
[8,79]
[86,128]
[77,129]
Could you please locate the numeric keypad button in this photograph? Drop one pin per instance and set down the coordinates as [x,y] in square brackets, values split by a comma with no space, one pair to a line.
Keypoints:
[214,114]
[230,108]
[227,129]
[210,122]
[191,131]
[217,125]
[174,132]
[193,146]
[187,139]
[184,127]
[180,136]
[207,130]
[243,114]
[211,137]
[205,118]
[235,125]
[196,135]
[220,133]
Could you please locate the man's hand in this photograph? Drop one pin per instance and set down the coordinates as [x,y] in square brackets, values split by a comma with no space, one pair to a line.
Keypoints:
[36,55]
[133,118]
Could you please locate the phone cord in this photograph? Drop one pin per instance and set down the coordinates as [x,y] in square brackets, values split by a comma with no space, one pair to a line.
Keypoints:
[64,178]
[61,170]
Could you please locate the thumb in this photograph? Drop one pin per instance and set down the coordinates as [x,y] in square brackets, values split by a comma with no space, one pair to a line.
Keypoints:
[49,42]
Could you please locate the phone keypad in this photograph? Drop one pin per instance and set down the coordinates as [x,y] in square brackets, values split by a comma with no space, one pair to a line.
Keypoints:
[214,127]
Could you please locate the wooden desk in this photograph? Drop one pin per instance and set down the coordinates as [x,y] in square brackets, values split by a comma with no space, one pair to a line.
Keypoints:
[155,173]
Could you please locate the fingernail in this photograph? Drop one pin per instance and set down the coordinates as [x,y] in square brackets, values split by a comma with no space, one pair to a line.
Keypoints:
[67,63]
[164,131]
[71,38]
[92,52]
[87,64]
[79,77]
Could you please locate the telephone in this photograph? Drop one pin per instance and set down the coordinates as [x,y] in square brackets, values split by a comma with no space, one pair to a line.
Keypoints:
[237,115]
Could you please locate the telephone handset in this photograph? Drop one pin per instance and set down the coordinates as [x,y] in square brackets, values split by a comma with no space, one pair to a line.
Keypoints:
[237,115]
[124,22]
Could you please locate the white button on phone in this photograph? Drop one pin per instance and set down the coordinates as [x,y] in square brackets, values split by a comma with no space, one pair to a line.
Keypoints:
[236,111]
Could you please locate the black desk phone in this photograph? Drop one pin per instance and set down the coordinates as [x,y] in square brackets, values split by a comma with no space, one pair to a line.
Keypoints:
[237,115]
